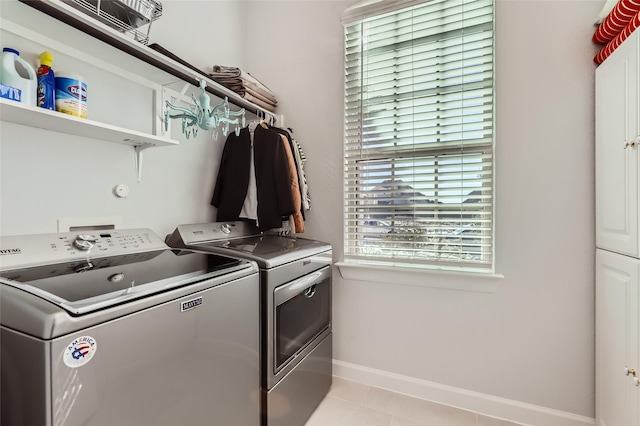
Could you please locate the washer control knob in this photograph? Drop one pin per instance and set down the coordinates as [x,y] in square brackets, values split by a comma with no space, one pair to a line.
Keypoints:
[84,242]
[225,228]
[83,268]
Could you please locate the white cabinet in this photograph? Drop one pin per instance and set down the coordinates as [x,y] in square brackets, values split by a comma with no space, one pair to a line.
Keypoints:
[618,237]
[617,348]
[617,150]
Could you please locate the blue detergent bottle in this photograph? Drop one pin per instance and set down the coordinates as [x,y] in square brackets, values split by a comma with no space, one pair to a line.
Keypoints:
[46,82]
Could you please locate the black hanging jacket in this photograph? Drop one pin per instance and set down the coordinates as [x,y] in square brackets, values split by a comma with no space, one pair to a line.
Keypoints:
[273,186]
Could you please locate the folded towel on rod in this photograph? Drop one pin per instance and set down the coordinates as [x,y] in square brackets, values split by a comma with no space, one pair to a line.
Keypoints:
[244,84]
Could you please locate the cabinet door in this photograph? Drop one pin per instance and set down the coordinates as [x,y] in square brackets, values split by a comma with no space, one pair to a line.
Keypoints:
[617,160]
[617,342]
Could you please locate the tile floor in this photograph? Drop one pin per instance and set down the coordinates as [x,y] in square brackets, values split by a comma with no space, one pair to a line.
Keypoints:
[354,404]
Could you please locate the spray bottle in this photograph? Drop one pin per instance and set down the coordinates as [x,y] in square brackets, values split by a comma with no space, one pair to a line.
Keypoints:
[46,82]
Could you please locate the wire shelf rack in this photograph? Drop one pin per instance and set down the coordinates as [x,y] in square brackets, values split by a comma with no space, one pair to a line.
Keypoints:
[127,16]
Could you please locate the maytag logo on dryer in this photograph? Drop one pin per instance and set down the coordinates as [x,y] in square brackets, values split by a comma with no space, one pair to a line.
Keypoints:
[190,304]
[4,252]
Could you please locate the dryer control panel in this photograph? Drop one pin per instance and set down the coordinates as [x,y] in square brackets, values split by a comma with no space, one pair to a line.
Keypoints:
[21,251]
[216,231]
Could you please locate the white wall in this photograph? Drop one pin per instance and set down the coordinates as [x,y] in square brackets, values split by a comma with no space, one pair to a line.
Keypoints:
[532,341]
[299,55]
[203,32]
[46,176]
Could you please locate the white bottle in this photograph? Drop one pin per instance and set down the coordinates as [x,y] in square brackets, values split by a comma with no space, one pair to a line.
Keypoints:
[18,73]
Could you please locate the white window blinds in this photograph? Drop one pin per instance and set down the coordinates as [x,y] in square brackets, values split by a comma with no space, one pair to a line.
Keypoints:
[419,135]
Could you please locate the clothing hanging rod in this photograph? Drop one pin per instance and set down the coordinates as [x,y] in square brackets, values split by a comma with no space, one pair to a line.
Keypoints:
[146,54]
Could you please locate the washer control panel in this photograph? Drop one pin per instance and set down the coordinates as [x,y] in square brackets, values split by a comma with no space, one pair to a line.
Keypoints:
[19,251]
[85,242]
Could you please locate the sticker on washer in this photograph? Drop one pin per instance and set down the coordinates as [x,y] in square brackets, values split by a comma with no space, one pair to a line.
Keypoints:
[80,351]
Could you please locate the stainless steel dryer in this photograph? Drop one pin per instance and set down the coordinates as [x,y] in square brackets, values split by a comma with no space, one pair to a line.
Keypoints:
[295,283]
[116,328]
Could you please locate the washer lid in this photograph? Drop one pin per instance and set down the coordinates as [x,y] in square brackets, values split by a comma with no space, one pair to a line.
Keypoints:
[84,286]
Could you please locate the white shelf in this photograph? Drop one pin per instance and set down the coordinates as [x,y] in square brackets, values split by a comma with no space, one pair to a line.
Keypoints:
[15,112]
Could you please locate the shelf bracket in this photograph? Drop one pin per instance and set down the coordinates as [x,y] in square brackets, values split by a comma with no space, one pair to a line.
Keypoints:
[138,153]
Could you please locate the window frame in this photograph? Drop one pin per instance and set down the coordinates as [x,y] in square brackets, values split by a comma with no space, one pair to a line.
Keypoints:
[357,263]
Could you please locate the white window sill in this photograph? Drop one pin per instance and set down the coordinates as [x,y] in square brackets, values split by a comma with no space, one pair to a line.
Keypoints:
[405,275]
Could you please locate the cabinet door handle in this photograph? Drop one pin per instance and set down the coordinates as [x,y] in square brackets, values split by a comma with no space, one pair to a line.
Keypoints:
[629,372]
[629,144]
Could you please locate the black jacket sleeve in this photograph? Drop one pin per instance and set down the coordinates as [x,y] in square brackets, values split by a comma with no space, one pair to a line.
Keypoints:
[275,200]
[233,176]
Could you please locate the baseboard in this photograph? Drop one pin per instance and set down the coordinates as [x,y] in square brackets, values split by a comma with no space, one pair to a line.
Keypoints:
[488,405]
